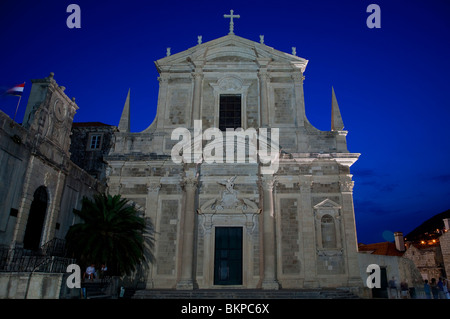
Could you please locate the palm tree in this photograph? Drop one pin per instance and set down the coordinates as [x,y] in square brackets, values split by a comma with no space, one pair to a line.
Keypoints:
[112,233]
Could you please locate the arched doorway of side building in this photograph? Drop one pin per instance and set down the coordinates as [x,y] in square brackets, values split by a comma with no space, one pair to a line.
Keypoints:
[36,218]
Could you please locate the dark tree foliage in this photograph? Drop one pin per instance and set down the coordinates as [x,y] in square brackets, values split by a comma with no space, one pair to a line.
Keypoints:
[111,233]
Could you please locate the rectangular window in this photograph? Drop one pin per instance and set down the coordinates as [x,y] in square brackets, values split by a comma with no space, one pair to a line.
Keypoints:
[229,111]
[95,142]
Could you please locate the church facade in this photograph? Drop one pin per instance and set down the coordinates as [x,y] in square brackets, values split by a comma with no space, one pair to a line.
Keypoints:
[243,191]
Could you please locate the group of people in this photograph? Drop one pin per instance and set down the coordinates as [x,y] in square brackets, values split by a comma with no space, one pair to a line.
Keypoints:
[437,290]
[91,272]
[393,289]
[433,290]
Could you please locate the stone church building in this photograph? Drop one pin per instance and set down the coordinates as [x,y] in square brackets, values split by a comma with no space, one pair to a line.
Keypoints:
[225,216]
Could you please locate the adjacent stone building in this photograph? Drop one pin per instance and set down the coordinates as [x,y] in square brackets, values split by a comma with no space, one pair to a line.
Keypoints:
[39,184]
[90,142]
[277,215]
[422,255]
[390,257]
[429,247]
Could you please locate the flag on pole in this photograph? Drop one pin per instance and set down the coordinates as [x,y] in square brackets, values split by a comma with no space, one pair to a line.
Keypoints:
[16,90]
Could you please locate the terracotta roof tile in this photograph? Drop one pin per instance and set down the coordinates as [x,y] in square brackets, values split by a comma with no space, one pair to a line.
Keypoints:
[385,248]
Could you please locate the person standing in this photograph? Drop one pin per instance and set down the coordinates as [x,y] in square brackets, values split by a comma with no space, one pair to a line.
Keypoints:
[446,292]
[440,285]
[392,288]
[434,288]
[404,289]
[427,289]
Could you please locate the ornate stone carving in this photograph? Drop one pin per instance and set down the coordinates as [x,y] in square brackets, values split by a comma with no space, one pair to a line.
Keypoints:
[230,84]
[229,199]
[263,75]
[189,182]
[268,183]
[197,74]
[229,184]
[153,187]
[163,78]
[228,204]
[189,177]
[297,77]
[347,185]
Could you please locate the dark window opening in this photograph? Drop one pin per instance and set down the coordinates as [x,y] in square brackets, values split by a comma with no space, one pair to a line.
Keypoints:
[230,112]
[95,142]
[228,256]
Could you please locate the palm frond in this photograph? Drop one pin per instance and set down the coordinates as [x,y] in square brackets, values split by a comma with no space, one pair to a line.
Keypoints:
[112,233]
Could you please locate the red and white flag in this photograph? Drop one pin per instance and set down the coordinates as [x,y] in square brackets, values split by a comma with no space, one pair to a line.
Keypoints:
[16,90]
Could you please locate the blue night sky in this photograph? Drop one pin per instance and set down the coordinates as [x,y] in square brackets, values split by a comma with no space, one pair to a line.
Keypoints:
[391,83]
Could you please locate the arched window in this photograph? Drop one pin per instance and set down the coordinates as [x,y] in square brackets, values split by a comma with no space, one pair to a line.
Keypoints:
[328,230]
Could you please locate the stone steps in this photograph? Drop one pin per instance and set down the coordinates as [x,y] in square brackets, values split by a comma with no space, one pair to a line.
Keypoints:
[245,294]
[95,290]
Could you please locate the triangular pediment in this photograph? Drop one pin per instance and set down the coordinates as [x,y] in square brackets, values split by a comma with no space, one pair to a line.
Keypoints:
[230,48]
[327,203]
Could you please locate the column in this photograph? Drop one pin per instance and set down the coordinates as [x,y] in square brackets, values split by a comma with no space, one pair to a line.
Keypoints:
[298,78]
[151,210]
[268,216]
[349,229]
[196,101]
[263,80]
[162,99]
[186,279]
[158,141]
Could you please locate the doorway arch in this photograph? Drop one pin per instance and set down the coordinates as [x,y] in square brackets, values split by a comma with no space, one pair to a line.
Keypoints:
[36,218]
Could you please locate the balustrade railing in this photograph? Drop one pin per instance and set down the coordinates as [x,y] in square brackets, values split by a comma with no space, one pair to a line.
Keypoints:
[50,258]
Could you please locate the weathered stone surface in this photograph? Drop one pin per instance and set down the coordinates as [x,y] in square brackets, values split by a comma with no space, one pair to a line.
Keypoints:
[284,241]
[35,154]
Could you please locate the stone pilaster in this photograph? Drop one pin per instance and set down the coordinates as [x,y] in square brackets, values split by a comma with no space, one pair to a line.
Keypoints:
[264,79]
[299,97]
[186,280]
[196,101]
[48,231]
[308,231]
[162,99]
[269,253]
[153,187]
[348,220]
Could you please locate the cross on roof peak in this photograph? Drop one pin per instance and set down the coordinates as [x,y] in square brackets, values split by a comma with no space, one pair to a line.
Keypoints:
[231,16]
